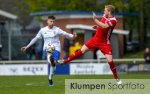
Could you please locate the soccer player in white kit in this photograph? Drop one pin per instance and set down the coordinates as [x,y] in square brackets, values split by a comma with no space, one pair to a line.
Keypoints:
[51,35]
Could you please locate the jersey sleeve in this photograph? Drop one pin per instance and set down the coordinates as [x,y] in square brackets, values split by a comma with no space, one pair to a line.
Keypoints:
[63,33]
[111,23]
[39,34]
[33,41]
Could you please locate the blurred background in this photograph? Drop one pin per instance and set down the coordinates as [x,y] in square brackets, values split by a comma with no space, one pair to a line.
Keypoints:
[20,21]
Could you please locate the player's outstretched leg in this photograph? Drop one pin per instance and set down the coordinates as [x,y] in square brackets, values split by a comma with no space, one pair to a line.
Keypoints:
[75,55]
[72,57]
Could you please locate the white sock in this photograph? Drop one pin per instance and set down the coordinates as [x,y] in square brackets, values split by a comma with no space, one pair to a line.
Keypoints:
[52,71]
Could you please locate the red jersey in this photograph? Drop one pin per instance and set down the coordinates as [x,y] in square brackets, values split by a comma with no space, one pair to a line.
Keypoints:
[103,34]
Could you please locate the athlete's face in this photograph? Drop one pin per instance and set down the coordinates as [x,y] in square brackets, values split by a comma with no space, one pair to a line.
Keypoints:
[50,22]
[106,12]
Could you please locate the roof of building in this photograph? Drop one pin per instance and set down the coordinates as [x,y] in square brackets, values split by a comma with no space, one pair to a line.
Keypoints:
[8,15]
[89,27]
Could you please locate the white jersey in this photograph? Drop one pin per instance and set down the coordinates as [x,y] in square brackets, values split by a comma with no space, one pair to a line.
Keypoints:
[50,36]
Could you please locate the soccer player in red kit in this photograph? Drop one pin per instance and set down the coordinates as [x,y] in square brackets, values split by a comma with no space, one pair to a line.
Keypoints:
[101,39]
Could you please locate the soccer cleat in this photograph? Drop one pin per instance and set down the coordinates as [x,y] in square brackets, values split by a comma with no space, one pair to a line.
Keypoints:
[119,81]
[61,62]
[51,82]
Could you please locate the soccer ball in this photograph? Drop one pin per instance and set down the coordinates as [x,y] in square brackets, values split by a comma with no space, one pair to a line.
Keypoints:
[50,48]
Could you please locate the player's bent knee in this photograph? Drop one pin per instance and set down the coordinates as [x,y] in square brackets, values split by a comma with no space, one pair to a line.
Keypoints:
[109,60]
[84,49]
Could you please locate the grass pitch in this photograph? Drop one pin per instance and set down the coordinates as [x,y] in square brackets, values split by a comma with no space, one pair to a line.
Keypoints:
[39,84]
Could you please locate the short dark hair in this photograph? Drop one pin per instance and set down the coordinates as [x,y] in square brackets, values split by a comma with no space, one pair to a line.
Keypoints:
[51,17]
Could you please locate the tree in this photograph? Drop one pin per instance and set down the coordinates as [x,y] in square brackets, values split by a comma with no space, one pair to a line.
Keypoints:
[140,23]
[49,5]
[137,25]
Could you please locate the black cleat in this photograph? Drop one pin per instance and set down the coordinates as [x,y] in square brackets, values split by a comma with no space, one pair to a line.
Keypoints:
[51,82]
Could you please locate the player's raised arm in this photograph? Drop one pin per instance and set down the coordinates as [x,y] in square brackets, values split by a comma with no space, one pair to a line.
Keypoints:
[68,35]
[98,22]
[33,41]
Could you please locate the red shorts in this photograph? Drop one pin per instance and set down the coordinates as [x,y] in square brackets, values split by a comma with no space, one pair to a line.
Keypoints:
[104,47]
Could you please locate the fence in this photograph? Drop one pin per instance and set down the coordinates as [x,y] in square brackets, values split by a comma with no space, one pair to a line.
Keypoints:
[132,60]
[76,67]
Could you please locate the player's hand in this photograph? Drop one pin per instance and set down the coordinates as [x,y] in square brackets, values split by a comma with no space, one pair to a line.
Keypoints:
[23,49]
[94,15]
[94,27]
[74,34]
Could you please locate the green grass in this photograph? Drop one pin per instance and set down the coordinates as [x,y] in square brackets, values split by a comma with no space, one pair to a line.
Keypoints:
[39,84]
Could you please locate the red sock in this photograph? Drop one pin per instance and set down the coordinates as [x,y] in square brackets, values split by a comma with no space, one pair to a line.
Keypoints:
[74,56]
[113,69]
